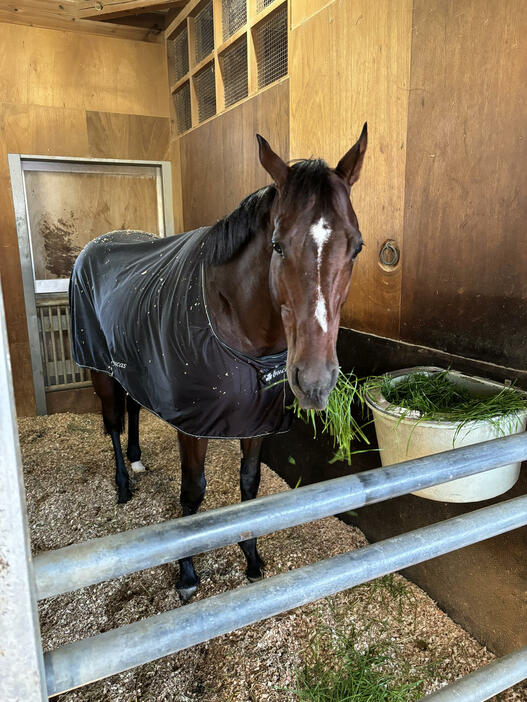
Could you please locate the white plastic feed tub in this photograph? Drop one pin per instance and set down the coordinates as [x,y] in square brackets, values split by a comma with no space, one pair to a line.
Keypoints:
[401,438]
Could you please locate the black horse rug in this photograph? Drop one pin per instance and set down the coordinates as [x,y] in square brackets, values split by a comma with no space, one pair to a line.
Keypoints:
[139,313]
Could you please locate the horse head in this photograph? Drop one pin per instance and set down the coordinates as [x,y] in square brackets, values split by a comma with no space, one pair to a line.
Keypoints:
[315,241]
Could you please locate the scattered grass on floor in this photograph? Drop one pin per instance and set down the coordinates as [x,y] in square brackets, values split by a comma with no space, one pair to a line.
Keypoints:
[390,587]
[358,676]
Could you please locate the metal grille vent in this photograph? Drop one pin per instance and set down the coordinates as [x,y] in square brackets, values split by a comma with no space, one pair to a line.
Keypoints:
[262,4]
[271,47]
[205,85]
[182,106]
[234,69]
[180,44]
[60,370]
[234,16]
[203,33]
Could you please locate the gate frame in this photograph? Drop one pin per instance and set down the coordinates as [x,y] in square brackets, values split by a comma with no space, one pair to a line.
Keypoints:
[17,163]
[22,673]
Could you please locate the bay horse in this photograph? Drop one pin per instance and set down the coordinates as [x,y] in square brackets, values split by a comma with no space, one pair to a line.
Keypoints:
[198,327]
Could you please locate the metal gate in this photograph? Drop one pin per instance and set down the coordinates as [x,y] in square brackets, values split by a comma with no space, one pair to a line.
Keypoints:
[32,676]
[60,370]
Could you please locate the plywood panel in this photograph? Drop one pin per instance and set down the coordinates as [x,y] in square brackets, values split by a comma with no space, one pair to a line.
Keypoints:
[219,160]
[64,69]
[202,174]
[174,156]
[113,135]
[301,11]
[349,64]
[78,401]
[465,288]
[32,129]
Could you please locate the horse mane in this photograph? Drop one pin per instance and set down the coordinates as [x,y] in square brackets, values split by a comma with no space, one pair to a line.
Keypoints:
[225,239]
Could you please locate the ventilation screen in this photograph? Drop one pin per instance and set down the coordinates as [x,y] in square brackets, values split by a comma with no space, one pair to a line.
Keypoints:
[182,105]
[180,50]
[203,33]
[234,70]
[234,16]
[271,47]
[205,86]
[262,4]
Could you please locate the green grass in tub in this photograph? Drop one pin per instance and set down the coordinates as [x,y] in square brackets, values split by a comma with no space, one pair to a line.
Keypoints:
[434,396]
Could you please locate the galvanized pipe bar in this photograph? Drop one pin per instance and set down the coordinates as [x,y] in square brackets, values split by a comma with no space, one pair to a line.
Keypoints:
[94,658]
[22,674]
[108,557]
[486,682]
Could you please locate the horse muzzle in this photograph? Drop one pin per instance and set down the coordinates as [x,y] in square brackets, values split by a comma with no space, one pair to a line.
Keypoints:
[312,386]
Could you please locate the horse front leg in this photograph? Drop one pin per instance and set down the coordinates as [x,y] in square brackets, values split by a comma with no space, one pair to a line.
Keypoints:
[249,484]
[192,453]
[112,397]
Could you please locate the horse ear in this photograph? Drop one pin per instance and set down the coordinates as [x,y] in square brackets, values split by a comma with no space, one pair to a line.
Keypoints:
[272,163]
[350,164]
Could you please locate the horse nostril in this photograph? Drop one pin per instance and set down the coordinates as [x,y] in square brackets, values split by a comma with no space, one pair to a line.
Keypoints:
[296,377]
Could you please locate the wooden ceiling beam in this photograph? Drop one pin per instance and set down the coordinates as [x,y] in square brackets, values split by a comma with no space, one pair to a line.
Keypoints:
[149,20]
[189,7]
[110,9]
[120,31]
[34,7]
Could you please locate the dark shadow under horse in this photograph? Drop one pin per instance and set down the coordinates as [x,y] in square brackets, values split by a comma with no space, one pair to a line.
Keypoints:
[201,327]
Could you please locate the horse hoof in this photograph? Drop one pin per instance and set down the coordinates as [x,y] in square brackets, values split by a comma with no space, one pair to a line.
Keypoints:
[138,467]
[185,593]
[255,576]
[124,496]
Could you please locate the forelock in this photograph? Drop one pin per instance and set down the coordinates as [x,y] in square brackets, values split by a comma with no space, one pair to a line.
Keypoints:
[308,180]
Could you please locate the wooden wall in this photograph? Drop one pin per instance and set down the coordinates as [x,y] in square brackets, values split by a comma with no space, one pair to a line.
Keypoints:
[465,238]
[70,94]
[359,72]
[442,86]
[219,160]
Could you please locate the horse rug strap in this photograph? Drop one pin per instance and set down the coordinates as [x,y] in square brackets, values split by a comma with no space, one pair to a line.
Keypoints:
[138,313]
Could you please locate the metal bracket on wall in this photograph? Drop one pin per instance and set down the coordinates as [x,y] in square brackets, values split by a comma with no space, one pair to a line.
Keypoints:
[389,255]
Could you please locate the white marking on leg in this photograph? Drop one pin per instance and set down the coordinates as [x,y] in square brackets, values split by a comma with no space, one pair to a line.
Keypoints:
[320,231]
[138,467]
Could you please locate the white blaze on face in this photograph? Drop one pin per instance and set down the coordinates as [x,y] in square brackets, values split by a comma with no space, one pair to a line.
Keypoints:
[320,231]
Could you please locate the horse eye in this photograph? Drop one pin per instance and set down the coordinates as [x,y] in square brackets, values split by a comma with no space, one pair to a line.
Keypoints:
[358,250]
[278,248]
